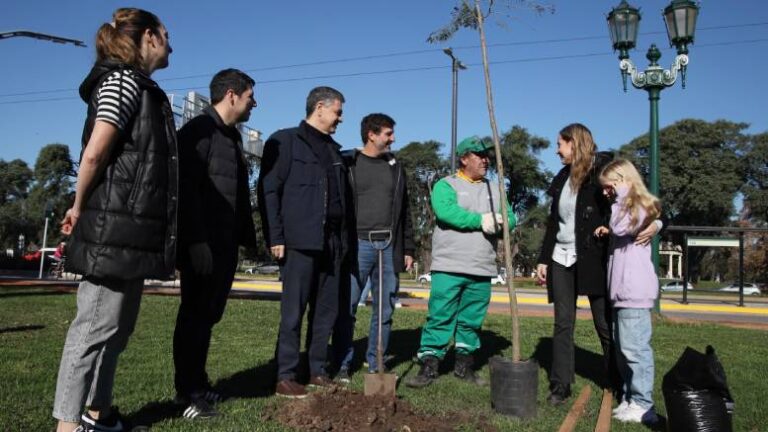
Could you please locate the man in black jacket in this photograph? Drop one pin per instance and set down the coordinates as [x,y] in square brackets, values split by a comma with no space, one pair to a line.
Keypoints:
[382,222]
[303,197]
[214,219]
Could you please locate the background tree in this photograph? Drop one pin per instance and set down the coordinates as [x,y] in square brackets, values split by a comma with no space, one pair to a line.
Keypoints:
[24,195]
[15,181]
[472,16]
[15,178]
[701,171]
[423,166]
[525,176]
[755,187]
[525,181]
[54,177]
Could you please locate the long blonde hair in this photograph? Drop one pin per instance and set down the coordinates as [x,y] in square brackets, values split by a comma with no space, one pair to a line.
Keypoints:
[583,152]
[622,170]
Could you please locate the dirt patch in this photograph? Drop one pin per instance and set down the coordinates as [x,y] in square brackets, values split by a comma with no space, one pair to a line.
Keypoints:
[338,409]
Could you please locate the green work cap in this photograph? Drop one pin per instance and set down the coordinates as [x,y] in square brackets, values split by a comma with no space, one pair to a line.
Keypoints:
[471,144]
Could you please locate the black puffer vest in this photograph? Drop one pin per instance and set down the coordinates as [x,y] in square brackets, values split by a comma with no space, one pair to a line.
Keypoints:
[127,229]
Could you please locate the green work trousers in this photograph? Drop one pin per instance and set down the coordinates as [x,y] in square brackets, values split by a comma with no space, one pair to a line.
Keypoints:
[457,307]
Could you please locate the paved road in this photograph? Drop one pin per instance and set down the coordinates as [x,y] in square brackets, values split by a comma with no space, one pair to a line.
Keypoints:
[531,301]
[718,308]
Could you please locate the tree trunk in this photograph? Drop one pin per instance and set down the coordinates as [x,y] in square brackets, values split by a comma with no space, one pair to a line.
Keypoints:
[502,192]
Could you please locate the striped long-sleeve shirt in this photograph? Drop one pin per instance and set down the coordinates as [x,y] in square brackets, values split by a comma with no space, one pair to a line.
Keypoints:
[118,98]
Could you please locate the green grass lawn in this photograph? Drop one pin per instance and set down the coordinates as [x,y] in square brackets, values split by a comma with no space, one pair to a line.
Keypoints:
[33,323]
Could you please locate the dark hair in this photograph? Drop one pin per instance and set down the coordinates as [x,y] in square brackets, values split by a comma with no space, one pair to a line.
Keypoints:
[326,95]
[373,123]
[120,40]
[229,79]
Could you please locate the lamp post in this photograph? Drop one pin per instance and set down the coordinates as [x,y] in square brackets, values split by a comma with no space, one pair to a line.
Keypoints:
[41,36]
[48,213]
[623,22]
[456,64]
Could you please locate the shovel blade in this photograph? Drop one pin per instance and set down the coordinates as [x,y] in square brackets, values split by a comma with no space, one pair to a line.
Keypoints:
[380,384]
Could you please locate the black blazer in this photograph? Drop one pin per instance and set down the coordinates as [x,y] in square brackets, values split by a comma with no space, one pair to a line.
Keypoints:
[592,211]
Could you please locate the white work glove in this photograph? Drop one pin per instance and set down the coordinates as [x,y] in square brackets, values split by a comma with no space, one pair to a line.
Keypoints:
[489,223]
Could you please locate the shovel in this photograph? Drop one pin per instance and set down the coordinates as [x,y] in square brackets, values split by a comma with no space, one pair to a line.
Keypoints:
[380,383]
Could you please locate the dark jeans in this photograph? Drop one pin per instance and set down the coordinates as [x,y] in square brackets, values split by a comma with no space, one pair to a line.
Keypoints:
[203,299]
[564,295]
[310,278]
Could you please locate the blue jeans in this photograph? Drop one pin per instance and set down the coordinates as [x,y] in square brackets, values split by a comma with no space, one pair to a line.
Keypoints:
[368,266]
[632,333]
[366,291]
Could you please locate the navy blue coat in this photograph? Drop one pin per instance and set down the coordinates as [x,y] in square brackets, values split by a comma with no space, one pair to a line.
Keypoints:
[293,192]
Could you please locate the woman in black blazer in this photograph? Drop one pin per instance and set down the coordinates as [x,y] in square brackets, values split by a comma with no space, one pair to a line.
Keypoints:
[573,260]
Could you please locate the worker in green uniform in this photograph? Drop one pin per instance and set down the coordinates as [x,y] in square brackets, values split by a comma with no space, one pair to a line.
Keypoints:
[468,212]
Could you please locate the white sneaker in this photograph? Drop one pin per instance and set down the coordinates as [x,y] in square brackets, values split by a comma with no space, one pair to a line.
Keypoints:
[622,406]
[632,414]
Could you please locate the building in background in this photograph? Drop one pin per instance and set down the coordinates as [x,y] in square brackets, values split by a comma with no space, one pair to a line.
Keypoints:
[189,107]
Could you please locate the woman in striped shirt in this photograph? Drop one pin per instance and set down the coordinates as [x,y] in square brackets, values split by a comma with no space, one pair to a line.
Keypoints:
[122,222]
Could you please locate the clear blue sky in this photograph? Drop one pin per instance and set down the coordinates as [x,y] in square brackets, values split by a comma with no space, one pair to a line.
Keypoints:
[537,84]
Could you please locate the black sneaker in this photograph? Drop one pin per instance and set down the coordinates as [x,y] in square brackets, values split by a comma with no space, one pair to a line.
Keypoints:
[210,395]
[111,423]
[199,408]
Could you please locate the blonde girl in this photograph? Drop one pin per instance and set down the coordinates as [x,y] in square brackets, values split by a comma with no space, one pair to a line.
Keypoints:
[632,286]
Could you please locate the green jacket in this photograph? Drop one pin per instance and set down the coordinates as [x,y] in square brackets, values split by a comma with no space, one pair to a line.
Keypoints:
[458,243]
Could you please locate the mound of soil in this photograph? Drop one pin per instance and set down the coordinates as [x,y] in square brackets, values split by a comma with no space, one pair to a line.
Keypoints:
[339,409]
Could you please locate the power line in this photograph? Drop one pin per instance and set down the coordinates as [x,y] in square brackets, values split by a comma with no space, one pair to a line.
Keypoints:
[413,69]
[396,54]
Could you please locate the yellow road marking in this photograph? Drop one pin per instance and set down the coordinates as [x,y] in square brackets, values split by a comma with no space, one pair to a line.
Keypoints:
[504,298]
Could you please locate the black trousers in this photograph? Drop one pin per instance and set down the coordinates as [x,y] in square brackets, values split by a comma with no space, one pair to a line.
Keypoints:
[203,299]
[310,278]
[563,349]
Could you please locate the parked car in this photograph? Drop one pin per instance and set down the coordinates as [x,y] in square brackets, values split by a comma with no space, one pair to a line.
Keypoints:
[263,269]
[426,277]
[499,279]
[675,286]
[749,288]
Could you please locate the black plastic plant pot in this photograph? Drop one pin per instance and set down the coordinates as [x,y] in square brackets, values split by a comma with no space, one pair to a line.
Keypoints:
[514,387]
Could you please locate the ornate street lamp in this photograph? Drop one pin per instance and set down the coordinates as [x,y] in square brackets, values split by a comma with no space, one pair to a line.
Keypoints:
[623,22]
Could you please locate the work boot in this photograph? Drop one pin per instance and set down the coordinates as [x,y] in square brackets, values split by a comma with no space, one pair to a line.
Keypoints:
[463,369]
[427,373]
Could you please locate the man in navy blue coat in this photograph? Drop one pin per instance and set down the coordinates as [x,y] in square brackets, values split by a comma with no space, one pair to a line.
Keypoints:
[303,195]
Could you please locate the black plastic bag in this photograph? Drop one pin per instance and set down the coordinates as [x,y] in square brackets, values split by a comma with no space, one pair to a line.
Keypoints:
[696,394]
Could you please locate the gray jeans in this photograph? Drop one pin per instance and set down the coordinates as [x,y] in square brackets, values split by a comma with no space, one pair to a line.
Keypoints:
[106,316]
